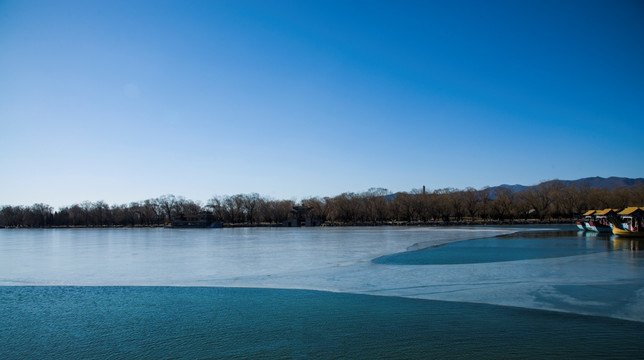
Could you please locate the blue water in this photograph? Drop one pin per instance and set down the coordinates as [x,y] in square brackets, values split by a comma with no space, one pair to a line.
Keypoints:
[157,293]
[497,249]
[242,323]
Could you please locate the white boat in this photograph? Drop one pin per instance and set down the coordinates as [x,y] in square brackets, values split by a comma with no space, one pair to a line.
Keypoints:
[598,220]
[580,225]
[597,227]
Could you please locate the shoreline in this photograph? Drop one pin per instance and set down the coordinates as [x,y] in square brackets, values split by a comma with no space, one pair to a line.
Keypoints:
[440,224]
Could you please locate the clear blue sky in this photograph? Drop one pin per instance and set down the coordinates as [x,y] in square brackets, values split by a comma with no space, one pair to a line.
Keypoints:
[127,100]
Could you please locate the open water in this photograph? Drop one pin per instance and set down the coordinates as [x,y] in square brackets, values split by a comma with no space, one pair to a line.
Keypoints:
[317,293]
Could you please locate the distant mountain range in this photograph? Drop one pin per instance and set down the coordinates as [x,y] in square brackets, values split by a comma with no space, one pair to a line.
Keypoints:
[592,182]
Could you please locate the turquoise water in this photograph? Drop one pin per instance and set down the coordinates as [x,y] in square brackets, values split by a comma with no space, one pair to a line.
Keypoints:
[241,323]
[540,245]
[158,293]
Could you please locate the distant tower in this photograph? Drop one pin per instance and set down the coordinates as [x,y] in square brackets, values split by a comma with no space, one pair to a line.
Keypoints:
[423,189]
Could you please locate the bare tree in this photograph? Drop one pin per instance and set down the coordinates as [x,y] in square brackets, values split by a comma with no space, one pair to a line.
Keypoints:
[167,203]
[375,205]
[250,204]
[319,209]
[216,205]
[42,215]
[503,204]
[484,196]
[471,199]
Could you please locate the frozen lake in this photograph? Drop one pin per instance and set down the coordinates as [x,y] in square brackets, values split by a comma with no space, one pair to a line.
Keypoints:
[578,273]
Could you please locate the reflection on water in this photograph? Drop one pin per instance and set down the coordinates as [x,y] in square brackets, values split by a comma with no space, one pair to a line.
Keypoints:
[613,241]
[634,245]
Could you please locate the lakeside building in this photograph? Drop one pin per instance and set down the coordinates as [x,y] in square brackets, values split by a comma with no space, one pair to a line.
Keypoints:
[300,216]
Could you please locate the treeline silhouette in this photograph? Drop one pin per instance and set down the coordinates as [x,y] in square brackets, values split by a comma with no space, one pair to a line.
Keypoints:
[548,201]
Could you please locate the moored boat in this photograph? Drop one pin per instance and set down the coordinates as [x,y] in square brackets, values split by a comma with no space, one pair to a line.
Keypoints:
[580,225]
[627,233]
[598,220]
[631,223]
[588,216]
[597,227]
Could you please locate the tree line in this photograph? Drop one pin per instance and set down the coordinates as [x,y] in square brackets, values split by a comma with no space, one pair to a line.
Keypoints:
[548,201]
[236,209]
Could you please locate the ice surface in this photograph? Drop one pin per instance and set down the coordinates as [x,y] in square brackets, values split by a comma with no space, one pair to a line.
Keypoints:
[609,283]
